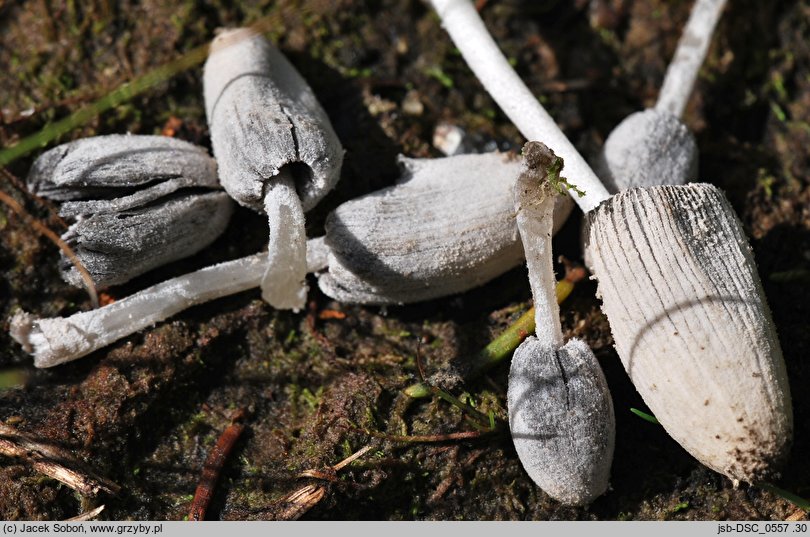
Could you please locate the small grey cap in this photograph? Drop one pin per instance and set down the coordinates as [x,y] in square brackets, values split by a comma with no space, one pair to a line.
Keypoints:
[561,419]
[648,148]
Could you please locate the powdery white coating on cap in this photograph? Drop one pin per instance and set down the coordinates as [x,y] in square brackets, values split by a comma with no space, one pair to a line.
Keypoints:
[263,116]
[561,419]
[116,247]
[648,148]
[691,324]
[95,167]
[58,340]
[446,227]
[136,202]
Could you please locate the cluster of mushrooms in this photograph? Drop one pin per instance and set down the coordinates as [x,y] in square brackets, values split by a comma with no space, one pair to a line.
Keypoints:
[676,276]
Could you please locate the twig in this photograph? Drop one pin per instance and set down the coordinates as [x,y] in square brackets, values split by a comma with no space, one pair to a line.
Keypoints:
[212,468]
[305,498]
[330,474]
[14,180]
[87,515]
[44,230]
[301,501]
[350,459]
[54,463]
[427,438]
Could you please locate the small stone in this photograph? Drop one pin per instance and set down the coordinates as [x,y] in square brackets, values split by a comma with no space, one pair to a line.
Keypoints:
[411,105]
[449,139]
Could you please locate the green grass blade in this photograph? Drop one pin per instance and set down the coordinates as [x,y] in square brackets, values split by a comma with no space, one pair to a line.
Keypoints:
[644,416]
[123,93]
[798,501]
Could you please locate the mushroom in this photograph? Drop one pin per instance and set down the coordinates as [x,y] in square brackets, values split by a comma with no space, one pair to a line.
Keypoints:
[692,326]
[653,147]
[134,202]
[463,205]
[560,409]
[447,226]
[58,340]
[276,150]
[679,287]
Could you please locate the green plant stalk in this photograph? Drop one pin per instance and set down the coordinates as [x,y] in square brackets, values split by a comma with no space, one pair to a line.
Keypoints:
[501,347]
[798,501]
[119,95]
[14,377]
[645,416]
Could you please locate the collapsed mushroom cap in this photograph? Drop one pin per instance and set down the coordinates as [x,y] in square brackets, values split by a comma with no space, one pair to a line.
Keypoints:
[275,147]
[264,118]
[135,202]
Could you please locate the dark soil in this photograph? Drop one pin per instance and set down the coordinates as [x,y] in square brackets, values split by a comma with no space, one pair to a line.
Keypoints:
[146,411]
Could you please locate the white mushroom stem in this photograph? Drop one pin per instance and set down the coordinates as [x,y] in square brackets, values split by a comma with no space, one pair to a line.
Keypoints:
[284,281]
[534,221]
[654,147]
[482,54]
[58,340]
[692,47]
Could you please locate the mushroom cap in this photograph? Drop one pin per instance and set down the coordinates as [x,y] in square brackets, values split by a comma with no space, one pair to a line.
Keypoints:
[263,117]
[448,226]
[561,419]
[691,324]
[118,246]
[648,148]
[111,165]
[136,202]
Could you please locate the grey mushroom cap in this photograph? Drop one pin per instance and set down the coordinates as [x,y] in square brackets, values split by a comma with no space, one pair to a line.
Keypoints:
[134,203]
[116,247]
[276,149]
[692,326]
[264,117]
[112,166]
[561,419]
[447,227]
[648,148]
